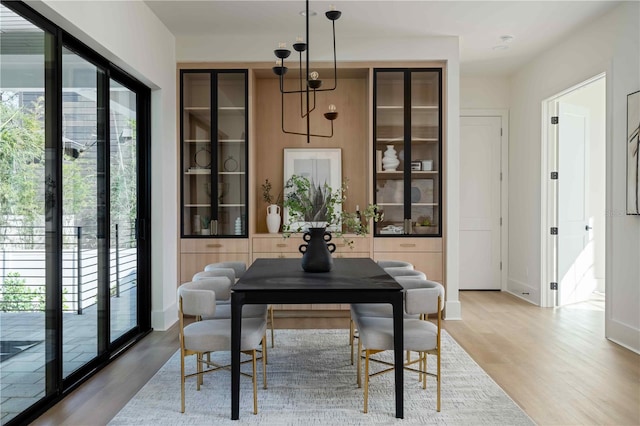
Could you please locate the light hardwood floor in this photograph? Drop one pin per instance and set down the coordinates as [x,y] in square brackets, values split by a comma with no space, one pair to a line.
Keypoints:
[555,363]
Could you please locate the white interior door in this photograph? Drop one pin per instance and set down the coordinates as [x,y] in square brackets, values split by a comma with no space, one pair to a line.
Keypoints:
[480,140]
[575,238]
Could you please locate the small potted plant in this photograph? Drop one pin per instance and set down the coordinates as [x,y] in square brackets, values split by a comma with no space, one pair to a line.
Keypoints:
[273,208]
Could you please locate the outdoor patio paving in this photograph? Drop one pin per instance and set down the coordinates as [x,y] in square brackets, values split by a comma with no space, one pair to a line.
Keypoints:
[22,376]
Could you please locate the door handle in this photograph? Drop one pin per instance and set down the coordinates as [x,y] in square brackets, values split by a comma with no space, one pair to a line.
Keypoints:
[587,227]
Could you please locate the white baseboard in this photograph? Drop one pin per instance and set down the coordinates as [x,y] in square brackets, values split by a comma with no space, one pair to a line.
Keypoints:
[520,290]
[163,320]
[453,310]
[623,335]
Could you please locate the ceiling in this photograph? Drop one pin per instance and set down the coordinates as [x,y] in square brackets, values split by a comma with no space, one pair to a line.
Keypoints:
[534,25]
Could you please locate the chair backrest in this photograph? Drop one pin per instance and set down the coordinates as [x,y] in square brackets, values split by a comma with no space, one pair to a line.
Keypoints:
[196,301]
[221,286]
[239,267]
[394,264]
[403,272]
[424,299]
[219,272]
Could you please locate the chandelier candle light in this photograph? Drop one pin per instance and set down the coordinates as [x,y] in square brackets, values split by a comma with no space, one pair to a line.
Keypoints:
[312,81]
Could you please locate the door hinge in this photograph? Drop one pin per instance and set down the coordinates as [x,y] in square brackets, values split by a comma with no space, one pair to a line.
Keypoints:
[554,120]
[500,221]
[501,265]
[554,286]
[554,175]
[554,230]
[500,131]
[500,176]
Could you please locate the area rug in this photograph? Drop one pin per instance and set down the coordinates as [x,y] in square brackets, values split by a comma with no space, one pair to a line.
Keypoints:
[311,381]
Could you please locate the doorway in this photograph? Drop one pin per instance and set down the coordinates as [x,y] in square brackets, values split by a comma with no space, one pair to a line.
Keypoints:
[575,180]
[483,189]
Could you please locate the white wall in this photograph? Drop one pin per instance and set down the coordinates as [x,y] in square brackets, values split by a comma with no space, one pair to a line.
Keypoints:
[132,37]
[484,92]
[383,48]
[610,44]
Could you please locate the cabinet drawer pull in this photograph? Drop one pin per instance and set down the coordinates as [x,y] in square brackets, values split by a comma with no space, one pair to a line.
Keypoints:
[281,256]
[407,245]
[341,245]
[214,245]
[281,245]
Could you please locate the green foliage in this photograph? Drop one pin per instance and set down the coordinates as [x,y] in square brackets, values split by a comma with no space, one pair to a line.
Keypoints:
[21,155]
[16,296]
[266,194]
[318,205]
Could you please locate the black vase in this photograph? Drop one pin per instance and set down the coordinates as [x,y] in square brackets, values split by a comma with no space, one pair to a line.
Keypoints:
[316,254]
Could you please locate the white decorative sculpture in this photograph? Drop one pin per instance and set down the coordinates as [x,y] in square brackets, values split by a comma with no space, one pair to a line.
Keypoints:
[390,160]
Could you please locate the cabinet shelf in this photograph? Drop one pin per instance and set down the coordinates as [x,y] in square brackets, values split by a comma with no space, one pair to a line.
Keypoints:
[231,205]
[197,141]
[434,108]
[197,205]
[240,141]
[231,173]
[197,108]
[400,174]
[198,172]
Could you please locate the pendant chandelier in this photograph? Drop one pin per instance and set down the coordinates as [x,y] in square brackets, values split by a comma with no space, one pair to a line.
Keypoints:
[309,82]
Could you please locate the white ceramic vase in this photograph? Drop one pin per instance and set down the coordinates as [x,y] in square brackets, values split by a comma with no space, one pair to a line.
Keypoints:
[390,160]
[273,218]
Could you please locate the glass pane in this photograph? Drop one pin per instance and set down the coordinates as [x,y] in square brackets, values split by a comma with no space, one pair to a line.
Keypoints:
[389,161]
[124,196]
[231,154]
[425,152]
[80,207]
[22,219]
[196,154]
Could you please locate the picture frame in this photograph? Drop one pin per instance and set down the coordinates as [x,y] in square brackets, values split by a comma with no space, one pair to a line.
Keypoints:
[319,165]
[633,153]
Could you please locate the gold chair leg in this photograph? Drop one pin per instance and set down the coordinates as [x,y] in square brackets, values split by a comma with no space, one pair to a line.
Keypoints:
[424,369]
[366,381]
[264,362]
[199,379]
[264,348]
[438,378]
[271,317]
[182,383]
[359,360]
[255,382]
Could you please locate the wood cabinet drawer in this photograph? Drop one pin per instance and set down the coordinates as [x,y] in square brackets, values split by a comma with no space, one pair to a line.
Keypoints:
[428,262]
[190,263]
[215,245]
[275,243]
[407,244]
[279,244]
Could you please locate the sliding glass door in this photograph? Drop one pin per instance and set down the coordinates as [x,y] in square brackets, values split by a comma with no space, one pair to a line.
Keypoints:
[74,201]
[23,186]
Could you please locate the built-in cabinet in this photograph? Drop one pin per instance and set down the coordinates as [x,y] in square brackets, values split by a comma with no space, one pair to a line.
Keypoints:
[408,145]
[214,128]
[379,108]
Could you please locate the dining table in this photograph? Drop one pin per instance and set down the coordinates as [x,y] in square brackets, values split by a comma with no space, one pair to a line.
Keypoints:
[283,281]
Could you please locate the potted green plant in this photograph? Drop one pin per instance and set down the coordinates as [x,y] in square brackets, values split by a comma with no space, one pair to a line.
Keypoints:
[273,208]
[317,211]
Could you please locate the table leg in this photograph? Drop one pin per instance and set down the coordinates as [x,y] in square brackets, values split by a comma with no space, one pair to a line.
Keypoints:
[236,330]
[398,345]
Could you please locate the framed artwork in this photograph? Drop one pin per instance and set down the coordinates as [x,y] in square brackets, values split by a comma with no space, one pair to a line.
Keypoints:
[633,154]
[320,166]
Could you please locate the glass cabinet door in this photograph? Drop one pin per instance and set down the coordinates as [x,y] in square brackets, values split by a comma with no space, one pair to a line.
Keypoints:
[214,153]
[407,132]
